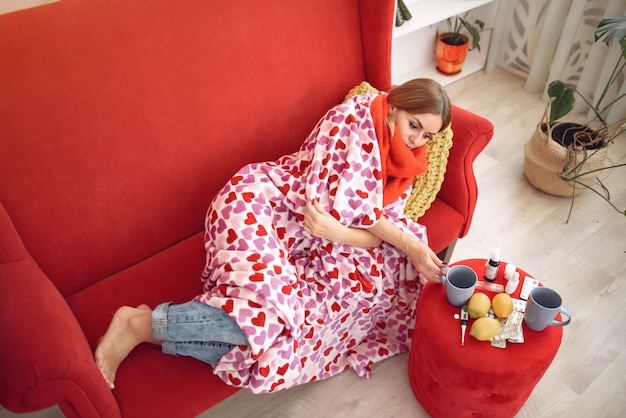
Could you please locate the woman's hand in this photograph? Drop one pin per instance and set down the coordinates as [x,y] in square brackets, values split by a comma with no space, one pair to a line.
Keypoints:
[319,223]
[421,256]
[425,260]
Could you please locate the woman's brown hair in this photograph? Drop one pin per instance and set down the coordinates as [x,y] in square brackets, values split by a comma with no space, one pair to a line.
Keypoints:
[422,95]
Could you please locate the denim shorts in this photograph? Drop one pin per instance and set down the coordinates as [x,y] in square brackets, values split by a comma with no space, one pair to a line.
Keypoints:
[196,330]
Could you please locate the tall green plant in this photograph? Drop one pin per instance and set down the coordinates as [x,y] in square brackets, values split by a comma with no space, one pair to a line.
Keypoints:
[563,100]
[562,96]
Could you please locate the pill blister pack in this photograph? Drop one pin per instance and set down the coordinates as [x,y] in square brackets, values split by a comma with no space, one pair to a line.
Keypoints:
[529,284]
[510,330]
[519,305]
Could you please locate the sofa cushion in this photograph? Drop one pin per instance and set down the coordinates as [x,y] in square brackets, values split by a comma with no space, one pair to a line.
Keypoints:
[171,275]
[443,225]
[145,109]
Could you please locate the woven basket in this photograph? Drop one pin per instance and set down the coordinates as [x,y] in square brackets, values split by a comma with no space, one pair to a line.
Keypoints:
[545,160]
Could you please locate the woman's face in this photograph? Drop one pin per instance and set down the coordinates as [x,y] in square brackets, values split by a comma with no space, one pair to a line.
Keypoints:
[415,129]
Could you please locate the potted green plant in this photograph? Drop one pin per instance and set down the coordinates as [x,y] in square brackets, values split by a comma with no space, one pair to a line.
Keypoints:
[452,46]
[564,158]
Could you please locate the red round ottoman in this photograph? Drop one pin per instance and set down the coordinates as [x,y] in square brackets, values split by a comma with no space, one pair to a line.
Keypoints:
[475,380]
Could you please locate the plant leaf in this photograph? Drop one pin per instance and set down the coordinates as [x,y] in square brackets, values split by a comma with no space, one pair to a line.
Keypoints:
[474,32]
[611,29]
[562,99]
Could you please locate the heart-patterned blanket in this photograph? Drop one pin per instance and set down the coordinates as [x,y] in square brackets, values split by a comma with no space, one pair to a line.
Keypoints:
[310,308]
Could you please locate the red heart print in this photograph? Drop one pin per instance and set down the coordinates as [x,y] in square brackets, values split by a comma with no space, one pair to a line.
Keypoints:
[334,273]
[232,236]
[228,306]
[250,219]
[253,305]
[340,144]
[256,277]
[284,189]
[259,320]
[257,356]
[248,196]
[265,371]
[277,384]
[362,194]
[350,118]
[253,257]
[261,231]
[259,266]
[231,197]
[351,344]
[367,147]
[283,369]
[334,131]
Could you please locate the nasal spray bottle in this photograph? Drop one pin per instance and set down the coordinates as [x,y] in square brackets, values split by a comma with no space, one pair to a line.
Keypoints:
[492,265]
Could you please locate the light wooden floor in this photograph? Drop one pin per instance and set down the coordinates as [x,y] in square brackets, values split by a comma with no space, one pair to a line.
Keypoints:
[585,260]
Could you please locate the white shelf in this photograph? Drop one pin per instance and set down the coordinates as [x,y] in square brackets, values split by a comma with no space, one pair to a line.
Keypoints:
[430,71]
[413,44]
[429,12]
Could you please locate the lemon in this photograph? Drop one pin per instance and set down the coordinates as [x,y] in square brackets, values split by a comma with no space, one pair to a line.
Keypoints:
[502,305]
[485,328]
[478,305]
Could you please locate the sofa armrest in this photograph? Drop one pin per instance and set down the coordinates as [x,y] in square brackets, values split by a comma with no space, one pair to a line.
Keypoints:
[44,356]
[472,133]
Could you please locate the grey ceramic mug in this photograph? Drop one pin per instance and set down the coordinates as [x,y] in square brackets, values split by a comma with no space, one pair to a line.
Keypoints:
[541,309]
[460,282]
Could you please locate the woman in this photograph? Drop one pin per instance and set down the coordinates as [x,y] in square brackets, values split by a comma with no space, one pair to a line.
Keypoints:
[312,266]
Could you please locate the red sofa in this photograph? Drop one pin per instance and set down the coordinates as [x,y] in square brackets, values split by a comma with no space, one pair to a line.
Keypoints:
[119,120]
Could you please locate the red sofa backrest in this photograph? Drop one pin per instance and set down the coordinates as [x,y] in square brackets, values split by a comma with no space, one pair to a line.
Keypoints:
[119,120]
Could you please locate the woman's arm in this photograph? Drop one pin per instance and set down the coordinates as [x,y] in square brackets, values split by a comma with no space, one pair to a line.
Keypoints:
[423,258]
[319,223]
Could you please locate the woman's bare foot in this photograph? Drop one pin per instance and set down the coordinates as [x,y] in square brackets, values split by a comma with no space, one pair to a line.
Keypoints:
[129,327]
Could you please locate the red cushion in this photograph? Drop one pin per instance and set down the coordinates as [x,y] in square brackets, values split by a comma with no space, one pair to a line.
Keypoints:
[124,118]
[443,224]
[173,275]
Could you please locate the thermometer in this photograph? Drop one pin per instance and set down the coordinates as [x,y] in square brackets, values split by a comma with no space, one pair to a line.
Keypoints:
[464,318]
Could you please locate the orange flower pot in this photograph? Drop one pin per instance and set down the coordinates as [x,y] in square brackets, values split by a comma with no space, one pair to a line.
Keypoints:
[450,58]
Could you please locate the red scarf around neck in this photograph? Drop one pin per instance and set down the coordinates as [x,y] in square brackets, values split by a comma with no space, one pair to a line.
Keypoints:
[400,164]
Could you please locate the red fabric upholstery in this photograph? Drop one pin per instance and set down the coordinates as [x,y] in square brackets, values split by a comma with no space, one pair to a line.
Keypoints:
[119,121]
[475,380]
[459,191]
